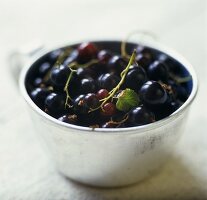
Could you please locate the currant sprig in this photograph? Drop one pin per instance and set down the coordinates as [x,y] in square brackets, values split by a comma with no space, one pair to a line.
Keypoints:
[123,76]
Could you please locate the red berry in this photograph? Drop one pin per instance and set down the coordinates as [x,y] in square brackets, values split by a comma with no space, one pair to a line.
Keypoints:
[86,51]
[102,93]
[109,109]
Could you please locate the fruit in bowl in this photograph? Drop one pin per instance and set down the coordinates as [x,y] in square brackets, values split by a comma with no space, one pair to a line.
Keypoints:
[95,86]
[109,116]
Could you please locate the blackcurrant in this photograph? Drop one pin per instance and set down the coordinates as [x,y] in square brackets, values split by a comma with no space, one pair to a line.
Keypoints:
[104,56]
[59,75]
[85,73]
[116,64]
[91,100]
[55,104]
[158,71]
[152,93]
[70,119]
[71,58]
[140,116]
[39,95]
[135,78]
[44,68]
[143,60]
[88,85]
[108,81]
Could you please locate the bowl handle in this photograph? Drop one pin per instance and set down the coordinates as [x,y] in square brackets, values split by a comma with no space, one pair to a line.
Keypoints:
[19,57]
[142,36]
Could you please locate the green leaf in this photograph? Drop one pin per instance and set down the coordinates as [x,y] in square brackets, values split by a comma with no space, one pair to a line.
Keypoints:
[127,99]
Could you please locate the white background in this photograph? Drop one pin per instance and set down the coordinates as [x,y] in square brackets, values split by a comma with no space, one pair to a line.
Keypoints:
[25,170]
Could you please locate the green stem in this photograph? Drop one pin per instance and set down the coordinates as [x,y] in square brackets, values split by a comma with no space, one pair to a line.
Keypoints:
[75,65]
[182,79]
[123,75]
[66,87]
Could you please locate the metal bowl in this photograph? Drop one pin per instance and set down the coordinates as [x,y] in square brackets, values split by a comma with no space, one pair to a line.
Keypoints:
[108,157]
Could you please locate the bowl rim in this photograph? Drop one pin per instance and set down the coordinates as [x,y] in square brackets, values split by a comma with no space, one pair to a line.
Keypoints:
[127,130]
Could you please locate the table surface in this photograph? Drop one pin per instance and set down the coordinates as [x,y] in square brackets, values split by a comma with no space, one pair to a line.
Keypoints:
[25,170]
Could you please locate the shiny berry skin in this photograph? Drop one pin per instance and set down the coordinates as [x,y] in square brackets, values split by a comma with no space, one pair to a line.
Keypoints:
[116,64]
[39,95]
[102,93]
[38,82]
[91,100]
[88,85]
[71,58]
[59,75]
[53,56]
[158,71]
[85,73]
[86,52]
[109,109]
[55,104]
[44,68]
[172,65]
[104,56]
[143,60]
[145,51]
[80,106]
[70,119]
[152,93]
[181,93]
[135,78]
[109,125]
[108,81]
[140,116]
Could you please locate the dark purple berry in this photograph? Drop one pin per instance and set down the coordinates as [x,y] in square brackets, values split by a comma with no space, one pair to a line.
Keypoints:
[116,64]
[158,71]
[71,58]
[91,100]
[55,104]
[85,73]
[44,68]
[70,119]
[59,75]
[135,78]
[108,81]
[39,95]
[140,116]
[143,60]
[104,56]
[152,93]
[88,85]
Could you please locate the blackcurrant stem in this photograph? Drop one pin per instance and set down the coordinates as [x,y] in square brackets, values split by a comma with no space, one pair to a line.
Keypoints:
[120,122]
[59,61]
[181,79]
[123,49]
[62,56]
[114,90]
[66,87]
[75,65]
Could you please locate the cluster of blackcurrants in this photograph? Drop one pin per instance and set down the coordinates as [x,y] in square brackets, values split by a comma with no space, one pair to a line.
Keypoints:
[71,87]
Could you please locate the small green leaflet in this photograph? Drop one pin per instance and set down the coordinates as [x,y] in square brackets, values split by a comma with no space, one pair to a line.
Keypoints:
[127,100]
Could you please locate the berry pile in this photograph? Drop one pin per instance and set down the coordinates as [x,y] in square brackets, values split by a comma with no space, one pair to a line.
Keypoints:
[97,87]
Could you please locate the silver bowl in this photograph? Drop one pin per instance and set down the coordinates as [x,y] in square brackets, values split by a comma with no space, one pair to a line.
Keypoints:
[108,157]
